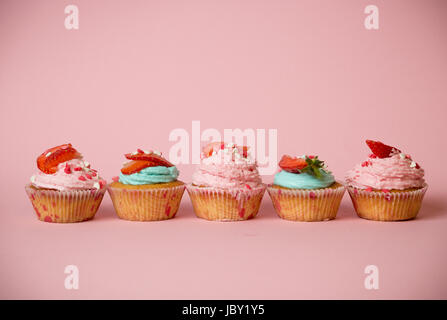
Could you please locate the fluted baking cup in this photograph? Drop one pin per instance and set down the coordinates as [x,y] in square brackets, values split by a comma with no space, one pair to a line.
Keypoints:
[225,204]
[152,204]
[306,205]
[387,206]
[65,206]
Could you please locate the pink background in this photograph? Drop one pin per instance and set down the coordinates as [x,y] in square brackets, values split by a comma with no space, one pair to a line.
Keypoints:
[135,70]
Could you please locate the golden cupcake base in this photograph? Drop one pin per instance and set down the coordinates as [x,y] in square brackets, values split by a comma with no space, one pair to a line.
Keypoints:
[396,205]
[225,205]
[152,202]
[307,204]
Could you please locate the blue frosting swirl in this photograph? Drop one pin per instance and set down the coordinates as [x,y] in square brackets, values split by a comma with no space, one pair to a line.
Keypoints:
[303,180]
[150,175]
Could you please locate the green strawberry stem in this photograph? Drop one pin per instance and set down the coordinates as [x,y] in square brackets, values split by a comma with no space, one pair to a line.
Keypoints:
[314,167]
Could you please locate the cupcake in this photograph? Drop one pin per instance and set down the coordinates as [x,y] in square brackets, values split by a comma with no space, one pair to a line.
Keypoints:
[66,188]
[226,185]
[304,190]
[147,188]
[388,186]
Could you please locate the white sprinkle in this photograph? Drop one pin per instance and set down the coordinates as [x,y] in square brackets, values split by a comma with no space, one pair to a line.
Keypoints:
[96,185]
[134,153]
[86,164]
[33,179]
[146,152]
[413,164]
[48,154]
[401,155]
[158,153]
[230,145]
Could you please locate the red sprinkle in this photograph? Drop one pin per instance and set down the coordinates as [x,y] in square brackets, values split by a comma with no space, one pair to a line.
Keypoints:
[67,169]
[102,183]
[93,174]
[88,176]
[312,195]
[222,146]
[369,189]
[365,164]
[116,179]
[311,157]
[82,178]
[140,151]
[417,166]
[77,169]
[372,156]
[385,190]
[248,187]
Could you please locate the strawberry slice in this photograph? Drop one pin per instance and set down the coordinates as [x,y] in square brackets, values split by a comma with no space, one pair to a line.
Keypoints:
[243,150]
[151,157]
[48,161]
[380,149]
[211,147]
[292,164]
[135,166]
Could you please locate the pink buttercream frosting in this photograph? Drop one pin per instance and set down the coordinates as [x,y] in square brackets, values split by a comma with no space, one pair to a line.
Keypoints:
[75,174]
[396,172]
[228,169]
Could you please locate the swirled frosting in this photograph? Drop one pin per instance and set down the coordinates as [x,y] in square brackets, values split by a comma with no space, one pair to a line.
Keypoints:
[228,168]
[74,174]
[303,180]
[150,175]
[398,171]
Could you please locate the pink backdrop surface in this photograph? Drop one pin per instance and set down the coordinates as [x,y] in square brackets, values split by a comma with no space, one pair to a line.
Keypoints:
[135,70]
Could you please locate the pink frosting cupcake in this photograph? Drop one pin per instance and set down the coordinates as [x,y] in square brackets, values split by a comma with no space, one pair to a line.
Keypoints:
[226,186]
[388,186]
[66,188]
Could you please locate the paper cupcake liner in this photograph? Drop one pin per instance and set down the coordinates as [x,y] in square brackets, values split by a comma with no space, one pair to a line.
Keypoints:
[146,204]
[65,206]
[306,205]
[387,206]
[225,205]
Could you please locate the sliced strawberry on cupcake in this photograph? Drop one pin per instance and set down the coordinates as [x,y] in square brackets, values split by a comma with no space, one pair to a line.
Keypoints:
[212,147]
[309,164]
[292,164]
[151,157]
[48,161]
[380,149]
[135,166]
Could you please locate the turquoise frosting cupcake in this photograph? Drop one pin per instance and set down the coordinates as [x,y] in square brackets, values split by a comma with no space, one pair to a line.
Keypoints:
[305,172]
[305,190]
[303,180]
